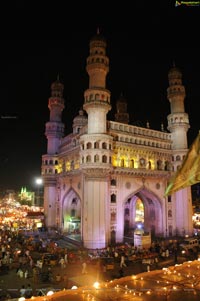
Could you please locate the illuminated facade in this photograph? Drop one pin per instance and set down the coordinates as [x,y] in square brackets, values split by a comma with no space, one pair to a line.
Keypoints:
[106,177]
[26,197]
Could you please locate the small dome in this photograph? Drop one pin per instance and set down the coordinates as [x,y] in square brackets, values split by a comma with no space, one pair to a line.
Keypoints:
[80,119]
[57,85]
[57,88]
[98,39]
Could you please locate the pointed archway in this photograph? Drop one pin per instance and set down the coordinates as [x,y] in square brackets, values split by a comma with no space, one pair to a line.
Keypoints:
[71,213]
[143,209]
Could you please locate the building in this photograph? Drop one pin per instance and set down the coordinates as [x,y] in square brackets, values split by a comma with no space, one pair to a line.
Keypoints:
[26,197]
[108,177]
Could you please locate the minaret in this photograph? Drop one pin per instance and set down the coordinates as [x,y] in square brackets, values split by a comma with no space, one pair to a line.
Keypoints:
[178,122]
[122,115]
[54,132]
[97,105]
[96,149]
[97,97]
[55,127]
[178,125]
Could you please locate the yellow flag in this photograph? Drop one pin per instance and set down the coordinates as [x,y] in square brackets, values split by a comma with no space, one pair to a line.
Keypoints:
[189,172]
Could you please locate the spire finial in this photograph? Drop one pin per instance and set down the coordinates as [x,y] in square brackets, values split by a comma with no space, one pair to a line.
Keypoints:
[58,77]
[173,64]
[98,31]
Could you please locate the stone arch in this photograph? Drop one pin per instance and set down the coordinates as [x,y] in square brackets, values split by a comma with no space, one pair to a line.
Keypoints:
[71,213]
[152,207]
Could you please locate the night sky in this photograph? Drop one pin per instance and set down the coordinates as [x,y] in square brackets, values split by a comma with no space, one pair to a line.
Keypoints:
[40,41]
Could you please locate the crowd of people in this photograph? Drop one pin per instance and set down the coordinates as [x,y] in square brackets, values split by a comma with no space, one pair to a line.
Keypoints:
[34,257]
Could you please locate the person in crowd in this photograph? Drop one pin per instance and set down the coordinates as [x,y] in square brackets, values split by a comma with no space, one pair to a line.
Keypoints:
[29,291]
[62,263]
[122,262]
[22,291]
[84,268]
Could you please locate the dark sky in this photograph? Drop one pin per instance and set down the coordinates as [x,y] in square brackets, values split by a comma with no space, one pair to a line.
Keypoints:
[40,41]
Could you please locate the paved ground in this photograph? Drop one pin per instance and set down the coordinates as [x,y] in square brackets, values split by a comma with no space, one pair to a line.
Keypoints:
[10,283]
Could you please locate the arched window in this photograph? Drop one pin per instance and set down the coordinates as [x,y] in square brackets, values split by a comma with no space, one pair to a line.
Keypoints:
[166,165]
[159,165]
[96,158]
[89,145]
[88,158]
[96,96]
[104,159]
[149,164]
[96,145]
[104,145]
[113,198]
[113,182]
[132,163]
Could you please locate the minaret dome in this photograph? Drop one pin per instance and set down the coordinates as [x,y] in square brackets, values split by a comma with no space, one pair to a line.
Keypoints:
[57,89]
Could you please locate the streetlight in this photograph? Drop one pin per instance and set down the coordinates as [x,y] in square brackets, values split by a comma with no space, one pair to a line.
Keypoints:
[38,182]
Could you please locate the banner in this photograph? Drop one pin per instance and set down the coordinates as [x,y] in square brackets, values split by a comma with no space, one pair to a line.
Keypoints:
[189,172]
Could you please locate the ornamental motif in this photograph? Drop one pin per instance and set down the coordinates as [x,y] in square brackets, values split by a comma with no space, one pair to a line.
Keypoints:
[157,185]
[128,185]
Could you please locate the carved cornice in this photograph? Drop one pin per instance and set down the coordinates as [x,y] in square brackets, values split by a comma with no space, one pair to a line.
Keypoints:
[99,173]
[141,172]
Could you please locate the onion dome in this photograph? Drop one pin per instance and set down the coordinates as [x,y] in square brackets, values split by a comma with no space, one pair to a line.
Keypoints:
[98,40]
[57,88]
[174,73]
[79,121]
[98,36]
